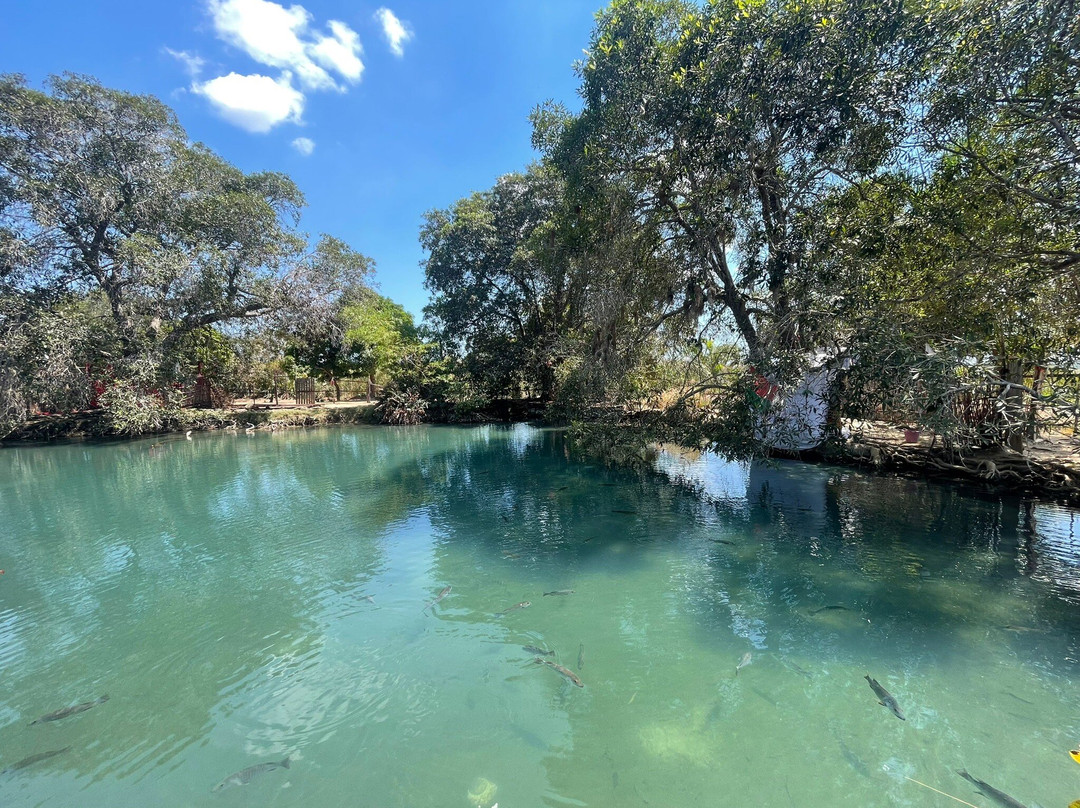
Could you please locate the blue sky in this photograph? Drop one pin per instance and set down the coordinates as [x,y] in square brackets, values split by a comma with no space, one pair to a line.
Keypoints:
[405,111]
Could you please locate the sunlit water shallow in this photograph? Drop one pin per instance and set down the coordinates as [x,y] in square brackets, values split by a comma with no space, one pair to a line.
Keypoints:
[246,598]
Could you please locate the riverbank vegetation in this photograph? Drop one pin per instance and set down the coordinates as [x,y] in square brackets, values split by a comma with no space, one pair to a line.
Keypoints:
[754,192]
[873,204]
[136,265]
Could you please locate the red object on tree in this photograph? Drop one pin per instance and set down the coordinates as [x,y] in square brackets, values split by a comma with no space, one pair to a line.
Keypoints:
[766,389]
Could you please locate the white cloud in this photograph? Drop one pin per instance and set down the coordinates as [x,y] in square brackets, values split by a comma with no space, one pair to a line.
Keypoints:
[279,37]
[256,103]
[304,145]
[396,32]
[340,51]
[192,64]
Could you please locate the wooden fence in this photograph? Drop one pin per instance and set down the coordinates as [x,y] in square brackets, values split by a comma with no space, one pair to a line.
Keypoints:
[282,390]
[305,392]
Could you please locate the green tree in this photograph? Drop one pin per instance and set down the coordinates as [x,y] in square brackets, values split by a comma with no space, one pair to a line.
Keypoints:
[502,291]
[102,194]
[730,121]
[379,331]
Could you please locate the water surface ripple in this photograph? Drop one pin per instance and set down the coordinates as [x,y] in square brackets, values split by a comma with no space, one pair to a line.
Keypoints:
[245,598]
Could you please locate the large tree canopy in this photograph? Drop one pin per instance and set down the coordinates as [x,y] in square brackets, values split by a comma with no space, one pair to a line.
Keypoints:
[107,208]
[536,284]
[500,280]
[102,192]
[895,182]
[730,122]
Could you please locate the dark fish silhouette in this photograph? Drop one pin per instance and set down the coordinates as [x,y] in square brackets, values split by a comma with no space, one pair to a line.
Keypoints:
[532,649]
[443,594]
[243,777]
[559,592]
[798,670]
[569,674]
[991,792]
[30,761]
[836,608]
[1022,701]
[885,698]
[69,711]
[617,510]
[853,760]
[581,656]
[525,604]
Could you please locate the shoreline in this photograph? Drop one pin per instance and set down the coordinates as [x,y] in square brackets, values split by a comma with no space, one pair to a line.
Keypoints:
[1048,471]
[89,425]
[1042,473]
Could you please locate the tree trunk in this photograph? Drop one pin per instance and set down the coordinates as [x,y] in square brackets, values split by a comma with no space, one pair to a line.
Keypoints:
[1012,371]
[547,380]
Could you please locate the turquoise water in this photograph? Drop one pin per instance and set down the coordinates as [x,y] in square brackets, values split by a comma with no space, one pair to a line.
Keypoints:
[242,599]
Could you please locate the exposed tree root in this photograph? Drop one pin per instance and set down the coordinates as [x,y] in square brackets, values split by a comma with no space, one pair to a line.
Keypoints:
[997,470]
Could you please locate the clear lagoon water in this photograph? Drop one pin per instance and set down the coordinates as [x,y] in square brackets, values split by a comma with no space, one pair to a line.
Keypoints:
[243,599]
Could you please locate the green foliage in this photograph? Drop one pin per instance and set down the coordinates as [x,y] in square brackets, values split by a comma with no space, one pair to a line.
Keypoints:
[728,123]
[131,406]
[750,184]
[103,199]
[379,332]
[502,294]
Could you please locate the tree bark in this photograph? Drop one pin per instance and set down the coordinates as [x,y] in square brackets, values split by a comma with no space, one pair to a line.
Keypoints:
[1012,371]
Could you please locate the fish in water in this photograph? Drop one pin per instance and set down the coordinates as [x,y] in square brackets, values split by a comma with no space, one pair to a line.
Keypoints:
[69,711]
[799,670]
[243,777]
[581,656]
[1022,701]
[747,658]
[532,649]
[30,761]
[559,592]
[569,674]
[853,760]
[525,604]
[722,541]
[617,510]
[836,608]
[445,591]
[1022,629]
[885,698]
[369,598]
[989,791]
